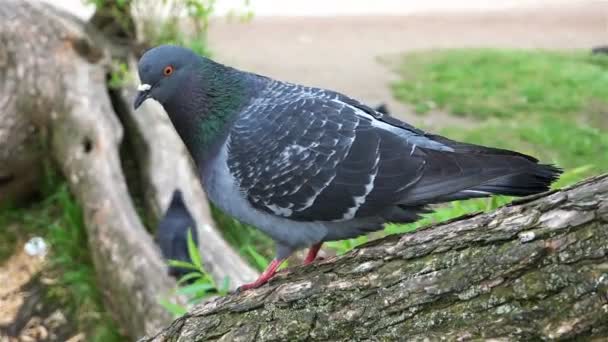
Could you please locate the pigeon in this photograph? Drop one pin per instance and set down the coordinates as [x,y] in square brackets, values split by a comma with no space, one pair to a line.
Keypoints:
[172,234]
[307,165]
[600,50]
[383,109]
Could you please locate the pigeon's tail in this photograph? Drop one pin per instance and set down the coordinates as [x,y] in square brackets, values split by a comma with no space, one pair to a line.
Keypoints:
[473,171]
[529,181]
[523,182]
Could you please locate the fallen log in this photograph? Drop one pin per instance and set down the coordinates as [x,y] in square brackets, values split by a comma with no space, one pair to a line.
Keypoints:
[534,270]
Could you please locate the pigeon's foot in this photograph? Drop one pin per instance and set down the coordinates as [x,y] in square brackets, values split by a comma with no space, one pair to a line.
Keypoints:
[312,253]
[264,277]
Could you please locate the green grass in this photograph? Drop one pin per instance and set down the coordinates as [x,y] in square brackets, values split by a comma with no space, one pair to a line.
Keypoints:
[253,245]
[58,219]
[502,83]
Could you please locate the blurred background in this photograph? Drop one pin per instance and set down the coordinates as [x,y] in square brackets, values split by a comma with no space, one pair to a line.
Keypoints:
[528,75]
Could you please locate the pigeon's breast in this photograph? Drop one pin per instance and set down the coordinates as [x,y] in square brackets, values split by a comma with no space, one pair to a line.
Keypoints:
[224,192]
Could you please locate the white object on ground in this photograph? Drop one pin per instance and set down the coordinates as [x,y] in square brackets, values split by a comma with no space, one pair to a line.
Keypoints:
[36,246]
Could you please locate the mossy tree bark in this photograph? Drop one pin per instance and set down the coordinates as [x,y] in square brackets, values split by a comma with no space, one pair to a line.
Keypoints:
[537,269]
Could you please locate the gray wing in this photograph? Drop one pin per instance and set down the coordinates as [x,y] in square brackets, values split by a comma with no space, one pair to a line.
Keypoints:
[310,154]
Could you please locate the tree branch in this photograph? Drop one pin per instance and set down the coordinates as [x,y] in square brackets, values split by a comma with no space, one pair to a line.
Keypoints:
[536,269]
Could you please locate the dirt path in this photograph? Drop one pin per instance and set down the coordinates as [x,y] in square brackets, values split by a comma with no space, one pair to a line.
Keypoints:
[342,53]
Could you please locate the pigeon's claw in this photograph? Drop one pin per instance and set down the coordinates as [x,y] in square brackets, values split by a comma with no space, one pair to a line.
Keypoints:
[312,253]
[264,277]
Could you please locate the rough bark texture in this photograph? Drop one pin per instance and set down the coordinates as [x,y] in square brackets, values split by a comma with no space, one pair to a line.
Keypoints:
[537,269]
[54,74]
[19,152]
[20,164]
[165,166]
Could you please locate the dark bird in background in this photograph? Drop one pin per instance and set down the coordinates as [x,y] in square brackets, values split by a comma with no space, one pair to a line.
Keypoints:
[172,234]
[307,165]
[383,109]
[600,50]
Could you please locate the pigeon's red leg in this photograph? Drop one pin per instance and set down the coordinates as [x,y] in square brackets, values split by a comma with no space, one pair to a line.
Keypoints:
[312,253]
[264,277]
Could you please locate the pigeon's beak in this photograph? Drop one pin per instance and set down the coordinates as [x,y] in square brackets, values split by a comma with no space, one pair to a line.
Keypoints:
[143,93]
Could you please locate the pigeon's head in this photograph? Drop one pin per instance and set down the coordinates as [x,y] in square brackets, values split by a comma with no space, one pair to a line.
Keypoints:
[162,71]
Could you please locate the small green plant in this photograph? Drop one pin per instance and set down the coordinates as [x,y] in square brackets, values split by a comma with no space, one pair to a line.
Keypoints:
[243,14]
[101,3]
[180,22]
[197,284]
[252,244]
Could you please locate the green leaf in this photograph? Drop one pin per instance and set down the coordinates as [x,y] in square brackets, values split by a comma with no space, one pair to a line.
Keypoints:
[183,264]
[260,261]
[196,288]
[175,309]
[225,288]
[193,252]
[189,276]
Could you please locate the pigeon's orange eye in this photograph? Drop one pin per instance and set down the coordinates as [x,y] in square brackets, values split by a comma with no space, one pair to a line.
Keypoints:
[168,70]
